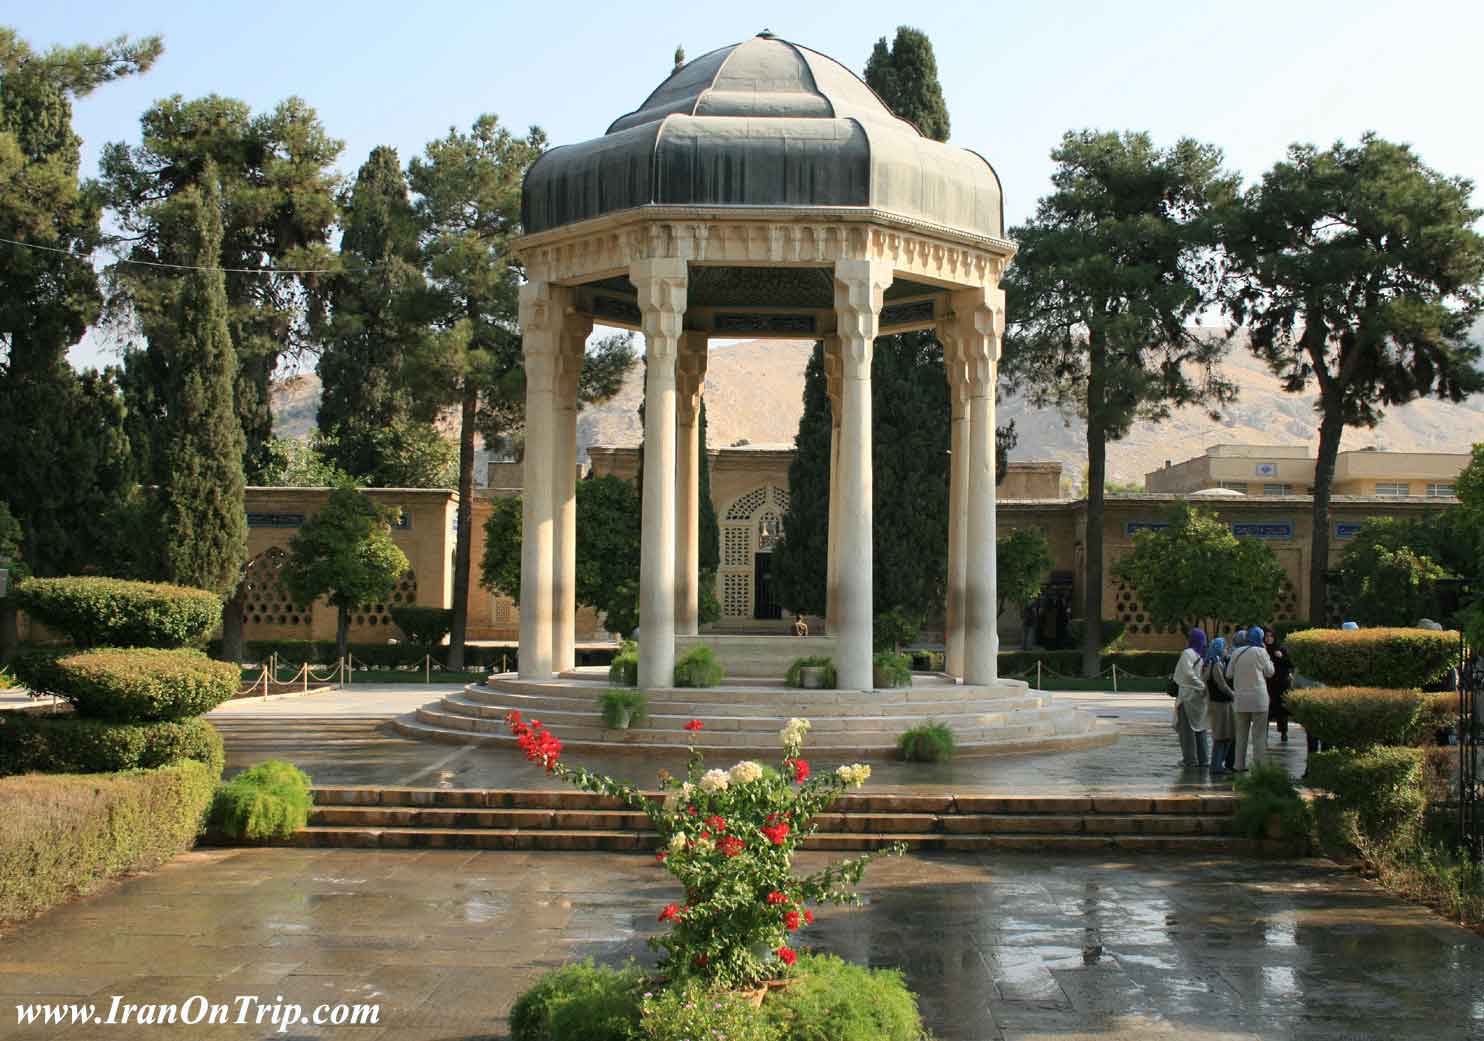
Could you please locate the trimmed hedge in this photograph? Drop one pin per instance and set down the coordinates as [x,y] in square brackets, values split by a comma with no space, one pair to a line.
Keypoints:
[697,667]
[579,1000]
[112,612]
[61,835]
[1363,717]
[424,627]
[1395,658]
[67,744]
[143,685]
[1383,786]
[271,800]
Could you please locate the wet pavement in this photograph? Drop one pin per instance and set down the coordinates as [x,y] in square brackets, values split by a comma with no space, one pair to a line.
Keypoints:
[998,946]
[349,743]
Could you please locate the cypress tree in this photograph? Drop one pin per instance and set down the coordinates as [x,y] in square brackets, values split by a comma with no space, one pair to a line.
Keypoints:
[801,556]
[905,75]
[203,524]
[710,530]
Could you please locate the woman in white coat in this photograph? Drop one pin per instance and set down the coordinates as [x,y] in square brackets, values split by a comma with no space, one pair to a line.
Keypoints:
[1191,703]
[1248,670]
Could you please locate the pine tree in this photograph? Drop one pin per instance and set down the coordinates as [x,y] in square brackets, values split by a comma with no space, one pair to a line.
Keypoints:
[367,413]
[66,470]
[905,75]
[203,525]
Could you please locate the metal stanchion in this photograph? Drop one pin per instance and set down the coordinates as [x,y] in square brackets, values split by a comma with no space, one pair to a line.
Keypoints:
[1115,677]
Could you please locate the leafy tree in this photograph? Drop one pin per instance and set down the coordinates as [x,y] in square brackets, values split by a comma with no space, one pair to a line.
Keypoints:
[367,412]
[1112,269]
[277,179]
[607,550]
[905,75]
[1196,572]
[293,463]
[345,554]
[11,559]
[1390,570]
[1023,563]
[1359,271]
[203,523]
[68,484]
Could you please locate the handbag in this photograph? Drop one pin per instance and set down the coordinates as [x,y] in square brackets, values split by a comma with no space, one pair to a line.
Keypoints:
[1172,689]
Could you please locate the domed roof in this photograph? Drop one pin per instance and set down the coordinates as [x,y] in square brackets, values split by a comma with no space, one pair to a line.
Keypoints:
[764,123]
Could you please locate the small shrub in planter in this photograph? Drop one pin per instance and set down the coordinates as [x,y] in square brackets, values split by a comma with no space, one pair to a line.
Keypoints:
[98,612]
[624,707]
[67,744]
[624,671]
[580,1000]
[795,675]
[144,685]
[693,1011]
[1268,794]
[1362,717]
[835,1000]
[424,627]
[698,667]
[891,670]
[268,801]
[927,743]
[1393,658]
[1381,786]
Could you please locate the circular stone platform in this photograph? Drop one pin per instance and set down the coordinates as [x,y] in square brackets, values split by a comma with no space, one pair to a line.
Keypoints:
[1004,718]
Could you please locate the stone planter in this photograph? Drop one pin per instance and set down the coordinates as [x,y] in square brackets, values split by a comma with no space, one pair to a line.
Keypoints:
[812,677]
[881,679]
[623,718]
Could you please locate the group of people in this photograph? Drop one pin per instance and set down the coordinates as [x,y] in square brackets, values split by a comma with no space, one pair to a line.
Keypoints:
[1226,693]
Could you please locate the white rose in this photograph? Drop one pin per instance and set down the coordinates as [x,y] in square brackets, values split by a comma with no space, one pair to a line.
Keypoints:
[714,781]
[677,842]
[746,772]
[704,845]
[686,790]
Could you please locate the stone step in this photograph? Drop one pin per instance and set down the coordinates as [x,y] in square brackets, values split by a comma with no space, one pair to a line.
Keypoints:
[1218,805]
[633,841]
[778,708]
[759,690]
[983,742]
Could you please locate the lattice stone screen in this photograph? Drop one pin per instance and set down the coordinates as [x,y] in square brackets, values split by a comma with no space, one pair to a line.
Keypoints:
[741,540]
[375,620]
[268,604]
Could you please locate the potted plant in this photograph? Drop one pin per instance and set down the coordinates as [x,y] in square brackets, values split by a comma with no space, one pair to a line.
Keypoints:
[623,707]
[816,672]
[891,670]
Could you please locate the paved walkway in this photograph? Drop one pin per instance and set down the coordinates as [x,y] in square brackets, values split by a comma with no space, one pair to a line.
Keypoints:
[998,947]
[341,738]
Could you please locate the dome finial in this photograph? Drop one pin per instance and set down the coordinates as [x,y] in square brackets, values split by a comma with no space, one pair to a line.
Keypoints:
[766,34]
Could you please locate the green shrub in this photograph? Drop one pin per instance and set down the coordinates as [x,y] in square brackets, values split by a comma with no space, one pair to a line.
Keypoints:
[268,801]
[66,744]
[697,667]
[927,743]
[1362,717]
[693,1011]
[143,685]
[894,629]
[616,702]
[835,1000]
[61,835]
[624,671]
[424,627]
[1266,790]
[1394,658]
[1113,632]
[891,670]
[579,1001]
[98,612]
[36,668]
[818,661]
[1381,786]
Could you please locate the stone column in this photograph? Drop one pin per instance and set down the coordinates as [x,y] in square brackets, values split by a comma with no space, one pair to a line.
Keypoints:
[541,307]
[958,499]
[832,555]
[690,378]
[572,348]
[979,319]
[859,285]
[661,282]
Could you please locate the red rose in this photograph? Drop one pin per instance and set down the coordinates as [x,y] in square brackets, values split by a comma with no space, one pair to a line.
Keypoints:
[801,771]
[791,920]
[716,824]
[775,897]
[808,917]
[660,856]
[694,725]
[776,834]
[731,845]
[787,955]
[670,913]
[701,961]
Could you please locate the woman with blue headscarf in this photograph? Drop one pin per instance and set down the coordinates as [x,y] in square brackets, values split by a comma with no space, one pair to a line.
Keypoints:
[1248,672]
[1220,716]
[1190,708]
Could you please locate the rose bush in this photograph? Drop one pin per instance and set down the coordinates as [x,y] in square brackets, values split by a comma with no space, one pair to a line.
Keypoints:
[729,838]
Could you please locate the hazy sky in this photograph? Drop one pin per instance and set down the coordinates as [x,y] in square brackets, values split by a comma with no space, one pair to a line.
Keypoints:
[1250,77]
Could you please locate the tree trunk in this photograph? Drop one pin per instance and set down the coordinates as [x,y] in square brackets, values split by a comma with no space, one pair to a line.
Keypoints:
[342,632]
[1092,591]
[465,524]
[232,643]
[1331,428]
[9,630]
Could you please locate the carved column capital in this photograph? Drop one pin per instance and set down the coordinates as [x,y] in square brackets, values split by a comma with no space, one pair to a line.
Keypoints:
[571,353]
[978,324]
[690,377]
[859,288]
[661,282]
